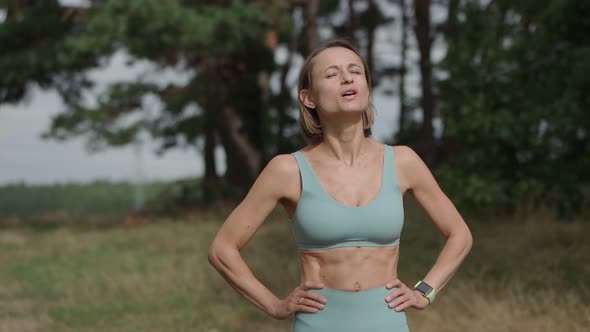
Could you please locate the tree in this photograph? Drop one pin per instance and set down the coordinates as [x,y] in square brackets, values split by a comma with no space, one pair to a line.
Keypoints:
[516,103]
[36,50]
[423,36]
[225,89]
[403,111]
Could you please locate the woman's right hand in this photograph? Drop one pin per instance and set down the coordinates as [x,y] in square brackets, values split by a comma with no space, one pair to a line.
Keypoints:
[301,299]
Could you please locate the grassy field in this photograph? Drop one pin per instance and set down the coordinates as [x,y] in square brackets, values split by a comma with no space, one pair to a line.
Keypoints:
[23,203]
[522,275]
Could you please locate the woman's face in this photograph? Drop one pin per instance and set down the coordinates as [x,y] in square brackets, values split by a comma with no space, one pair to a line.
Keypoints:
[338,82]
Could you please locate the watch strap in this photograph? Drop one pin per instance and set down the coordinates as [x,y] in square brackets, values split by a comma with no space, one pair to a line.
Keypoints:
[430,294]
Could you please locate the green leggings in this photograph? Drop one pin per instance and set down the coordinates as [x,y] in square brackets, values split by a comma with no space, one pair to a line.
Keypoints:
[348,311]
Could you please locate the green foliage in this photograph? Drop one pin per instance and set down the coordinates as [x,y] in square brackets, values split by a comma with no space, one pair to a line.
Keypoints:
[100,198]
[185,196]
[106,124]
[223,45]
[515,103]
[34,39]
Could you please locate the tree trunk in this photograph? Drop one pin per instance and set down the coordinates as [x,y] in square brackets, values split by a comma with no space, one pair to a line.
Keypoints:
[422,30]
[210,164]
[243,160]
[449,143]
[311,14]
[351,26]
[402,70]
[311,35]
[284,98]
[371,27]
[451,25]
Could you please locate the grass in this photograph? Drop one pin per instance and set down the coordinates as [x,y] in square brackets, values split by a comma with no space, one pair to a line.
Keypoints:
[522,275]
[59,202]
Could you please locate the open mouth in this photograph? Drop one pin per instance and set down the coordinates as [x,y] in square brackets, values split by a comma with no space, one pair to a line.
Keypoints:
[349,93]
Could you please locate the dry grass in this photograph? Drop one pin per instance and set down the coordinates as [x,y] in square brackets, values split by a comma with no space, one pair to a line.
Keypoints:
[466,308]
[520,276]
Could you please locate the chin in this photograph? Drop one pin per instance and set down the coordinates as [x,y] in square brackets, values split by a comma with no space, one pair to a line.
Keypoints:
[353,108]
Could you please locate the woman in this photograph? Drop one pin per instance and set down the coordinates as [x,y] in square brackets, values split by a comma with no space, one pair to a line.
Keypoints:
[343,193]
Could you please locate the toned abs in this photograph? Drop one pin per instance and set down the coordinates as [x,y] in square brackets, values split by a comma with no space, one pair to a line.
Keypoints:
[344,268]
[350,268]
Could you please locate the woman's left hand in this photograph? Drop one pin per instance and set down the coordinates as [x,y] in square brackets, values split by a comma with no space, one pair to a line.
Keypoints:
[404,297]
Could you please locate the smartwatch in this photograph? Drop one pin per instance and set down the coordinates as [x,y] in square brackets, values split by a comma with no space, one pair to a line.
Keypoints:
[426,290]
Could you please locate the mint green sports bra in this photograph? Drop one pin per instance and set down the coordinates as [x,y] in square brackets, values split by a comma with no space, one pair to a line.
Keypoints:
[321,222]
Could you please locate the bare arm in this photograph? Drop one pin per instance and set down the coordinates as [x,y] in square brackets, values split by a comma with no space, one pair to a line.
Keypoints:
[238,229]
[272,185]
[443,215]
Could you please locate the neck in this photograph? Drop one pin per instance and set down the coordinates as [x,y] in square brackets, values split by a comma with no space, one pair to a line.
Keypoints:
[344,140]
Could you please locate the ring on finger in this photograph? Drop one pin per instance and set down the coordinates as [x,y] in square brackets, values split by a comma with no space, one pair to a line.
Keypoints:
[301,300]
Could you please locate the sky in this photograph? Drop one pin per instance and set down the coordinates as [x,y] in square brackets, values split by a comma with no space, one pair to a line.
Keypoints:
[26,157]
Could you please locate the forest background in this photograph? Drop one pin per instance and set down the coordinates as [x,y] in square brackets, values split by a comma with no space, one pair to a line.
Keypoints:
[491,94]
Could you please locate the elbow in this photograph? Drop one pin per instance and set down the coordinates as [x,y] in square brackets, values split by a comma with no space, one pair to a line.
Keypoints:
[462,239]
[468,240]
[213,256]
[220,254]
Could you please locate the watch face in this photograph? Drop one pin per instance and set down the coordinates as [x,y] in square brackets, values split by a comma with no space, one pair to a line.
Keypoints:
[424,288]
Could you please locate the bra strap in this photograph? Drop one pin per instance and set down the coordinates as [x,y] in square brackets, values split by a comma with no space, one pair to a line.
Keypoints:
[307,175]
[389,174]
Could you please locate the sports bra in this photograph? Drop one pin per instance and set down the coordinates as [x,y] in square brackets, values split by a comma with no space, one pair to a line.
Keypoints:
[321,222]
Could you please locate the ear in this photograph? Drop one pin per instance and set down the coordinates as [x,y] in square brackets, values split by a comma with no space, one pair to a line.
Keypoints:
[306,98]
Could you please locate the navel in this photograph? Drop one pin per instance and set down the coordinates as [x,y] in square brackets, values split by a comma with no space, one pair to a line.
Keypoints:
[357,286]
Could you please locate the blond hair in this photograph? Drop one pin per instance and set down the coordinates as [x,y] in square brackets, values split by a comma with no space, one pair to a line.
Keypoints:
[311,129]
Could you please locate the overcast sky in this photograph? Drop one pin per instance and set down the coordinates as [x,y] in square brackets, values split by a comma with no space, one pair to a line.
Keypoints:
[25,157]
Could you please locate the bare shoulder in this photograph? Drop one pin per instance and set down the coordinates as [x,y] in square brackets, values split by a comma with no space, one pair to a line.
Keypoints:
[279,178]
[282,165]
[406,157]
[410,167]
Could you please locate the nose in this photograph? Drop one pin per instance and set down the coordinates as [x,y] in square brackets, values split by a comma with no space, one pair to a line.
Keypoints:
[346,77]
